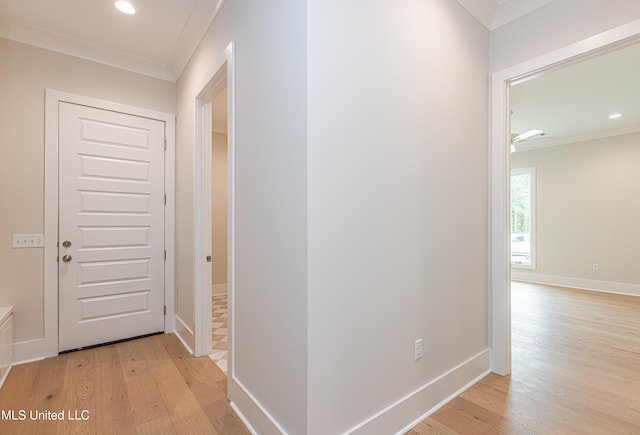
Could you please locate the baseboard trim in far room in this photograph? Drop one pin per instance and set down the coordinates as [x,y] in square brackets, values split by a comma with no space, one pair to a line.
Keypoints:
[621,288]
[219,289]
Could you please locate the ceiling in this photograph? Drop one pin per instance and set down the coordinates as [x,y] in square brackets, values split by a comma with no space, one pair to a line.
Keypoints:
[573,103]
[495,13]
[157,41]
[569,104]
[161,37]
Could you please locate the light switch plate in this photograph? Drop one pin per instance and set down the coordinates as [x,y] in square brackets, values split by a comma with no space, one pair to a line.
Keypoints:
[28,240]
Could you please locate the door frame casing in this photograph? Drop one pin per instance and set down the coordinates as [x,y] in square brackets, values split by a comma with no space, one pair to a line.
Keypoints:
[48,346]
[500,265]
[222,72]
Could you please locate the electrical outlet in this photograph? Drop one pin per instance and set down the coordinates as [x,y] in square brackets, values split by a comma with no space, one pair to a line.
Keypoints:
[417,349]
[28,240]
[596,267]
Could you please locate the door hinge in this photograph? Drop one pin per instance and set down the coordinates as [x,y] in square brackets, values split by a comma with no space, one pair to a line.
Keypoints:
[165,254]
[165,144]
[165,310]
[165,199]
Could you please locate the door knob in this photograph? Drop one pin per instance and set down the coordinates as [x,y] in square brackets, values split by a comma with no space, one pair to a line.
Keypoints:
[66,243]
[66,258]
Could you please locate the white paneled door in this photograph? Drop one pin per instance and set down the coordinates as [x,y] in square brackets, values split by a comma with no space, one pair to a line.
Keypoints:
[111,226]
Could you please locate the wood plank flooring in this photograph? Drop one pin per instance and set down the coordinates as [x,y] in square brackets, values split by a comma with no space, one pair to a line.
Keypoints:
[575,370]
[145,386]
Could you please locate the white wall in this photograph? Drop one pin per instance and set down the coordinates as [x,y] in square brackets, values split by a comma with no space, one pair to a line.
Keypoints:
[587,202]
[270,353]
[397,208]
[25,73]
[555,25]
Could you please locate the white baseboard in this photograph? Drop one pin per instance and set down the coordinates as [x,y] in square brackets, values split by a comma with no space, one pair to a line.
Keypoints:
[185,334]
[219,289]
[35,350]
[28,351]
[431,396]
[393,419]
[242,418]
[579,283]
[5,375]
[255,416]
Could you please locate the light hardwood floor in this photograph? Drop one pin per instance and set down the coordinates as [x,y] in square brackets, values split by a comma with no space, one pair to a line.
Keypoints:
[145,386]
[576,370]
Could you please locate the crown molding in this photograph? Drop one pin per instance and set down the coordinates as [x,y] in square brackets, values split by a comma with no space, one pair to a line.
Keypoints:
[73,47]
[495,13]
[550,141]
[510,10]
[199,21]
[202,15]
[219,126]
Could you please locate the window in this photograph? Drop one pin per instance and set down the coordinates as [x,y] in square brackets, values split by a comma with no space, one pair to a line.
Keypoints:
[523,183]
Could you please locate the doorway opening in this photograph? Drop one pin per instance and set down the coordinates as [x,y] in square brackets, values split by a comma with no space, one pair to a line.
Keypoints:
[587,162]
[219,227]
[215,213]
[500,271]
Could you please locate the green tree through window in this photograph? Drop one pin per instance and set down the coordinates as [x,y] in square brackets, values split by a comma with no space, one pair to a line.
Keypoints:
[522,216]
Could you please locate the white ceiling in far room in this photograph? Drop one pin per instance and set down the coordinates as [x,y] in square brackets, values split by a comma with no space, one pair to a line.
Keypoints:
[573,103]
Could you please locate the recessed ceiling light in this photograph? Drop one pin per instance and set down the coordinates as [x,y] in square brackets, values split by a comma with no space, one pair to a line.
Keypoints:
[615,115]
[125,7]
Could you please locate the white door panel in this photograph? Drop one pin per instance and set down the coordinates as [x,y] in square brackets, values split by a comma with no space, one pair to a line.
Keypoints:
[111,210]
[101,237]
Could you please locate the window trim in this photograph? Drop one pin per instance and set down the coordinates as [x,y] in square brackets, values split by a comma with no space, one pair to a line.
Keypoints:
[531,170]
